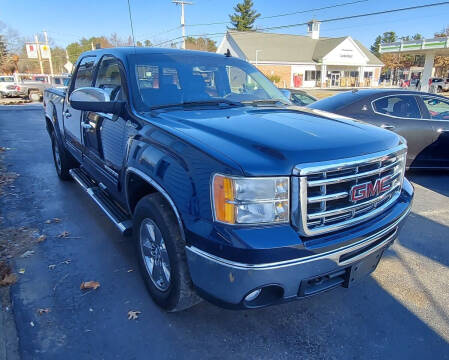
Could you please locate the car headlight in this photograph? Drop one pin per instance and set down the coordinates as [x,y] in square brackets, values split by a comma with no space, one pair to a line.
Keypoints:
[238,200]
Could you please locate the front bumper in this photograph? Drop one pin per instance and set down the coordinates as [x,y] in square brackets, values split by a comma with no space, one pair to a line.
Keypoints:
[227,282]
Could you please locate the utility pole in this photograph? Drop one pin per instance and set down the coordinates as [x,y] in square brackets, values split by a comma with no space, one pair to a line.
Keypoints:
[183,25]
[49,52]
[39,52]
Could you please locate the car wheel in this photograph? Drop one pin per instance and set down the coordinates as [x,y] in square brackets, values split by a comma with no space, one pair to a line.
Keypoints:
[161,254]
[34,96]
[62,163]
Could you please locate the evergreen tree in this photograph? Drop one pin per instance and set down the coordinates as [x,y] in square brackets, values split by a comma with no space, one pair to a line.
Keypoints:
[376,46]
[244,16]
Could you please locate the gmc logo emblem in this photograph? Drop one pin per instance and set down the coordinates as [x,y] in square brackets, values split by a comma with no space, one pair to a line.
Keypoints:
[366,190]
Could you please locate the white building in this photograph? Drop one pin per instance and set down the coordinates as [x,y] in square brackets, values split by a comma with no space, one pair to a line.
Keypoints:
[306,61]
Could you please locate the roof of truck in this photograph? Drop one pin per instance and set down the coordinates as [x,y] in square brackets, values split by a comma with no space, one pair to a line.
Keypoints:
[122,52]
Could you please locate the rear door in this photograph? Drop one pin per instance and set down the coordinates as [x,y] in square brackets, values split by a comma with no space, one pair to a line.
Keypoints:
[72,117]
[436,111]
[402,114]
[105,135]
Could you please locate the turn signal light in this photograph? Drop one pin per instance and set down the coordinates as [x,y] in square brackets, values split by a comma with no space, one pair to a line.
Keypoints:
[223,192]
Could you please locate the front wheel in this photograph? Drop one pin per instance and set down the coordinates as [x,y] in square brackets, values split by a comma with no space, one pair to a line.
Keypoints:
[161,253]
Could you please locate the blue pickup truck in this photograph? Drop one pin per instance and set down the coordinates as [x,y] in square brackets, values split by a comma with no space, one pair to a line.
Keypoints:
[230,192]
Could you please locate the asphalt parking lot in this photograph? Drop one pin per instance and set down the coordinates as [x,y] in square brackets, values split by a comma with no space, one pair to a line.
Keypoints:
[400,312]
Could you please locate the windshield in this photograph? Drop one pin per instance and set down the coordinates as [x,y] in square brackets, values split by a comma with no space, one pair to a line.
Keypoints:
[302,99]
[166,79]
[7,79]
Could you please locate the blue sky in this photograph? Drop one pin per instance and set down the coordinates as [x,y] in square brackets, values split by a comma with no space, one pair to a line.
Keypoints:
[68,21]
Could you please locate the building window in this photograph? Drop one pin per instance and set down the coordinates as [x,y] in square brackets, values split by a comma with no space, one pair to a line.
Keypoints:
[312,75]
[368,74]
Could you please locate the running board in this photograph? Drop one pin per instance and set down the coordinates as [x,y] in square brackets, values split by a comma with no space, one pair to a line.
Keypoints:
[101,198]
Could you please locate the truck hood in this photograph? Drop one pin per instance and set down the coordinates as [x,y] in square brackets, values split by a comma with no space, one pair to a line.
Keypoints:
[271,141]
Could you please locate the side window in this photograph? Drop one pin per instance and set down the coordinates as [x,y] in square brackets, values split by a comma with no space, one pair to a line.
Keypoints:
[109,78]
[84,74]
[242,83]
[398,106]
[438,108]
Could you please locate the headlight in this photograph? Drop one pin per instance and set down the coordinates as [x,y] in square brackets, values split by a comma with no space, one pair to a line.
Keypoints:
[239,200]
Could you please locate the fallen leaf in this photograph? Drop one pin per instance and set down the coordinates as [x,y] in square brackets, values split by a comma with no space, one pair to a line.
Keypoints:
[8,279]
[27,254]
[64,234]
[42,238]
[54,220]
[43,311]
[52,266]
[21,271]
[89,285]
[133,314]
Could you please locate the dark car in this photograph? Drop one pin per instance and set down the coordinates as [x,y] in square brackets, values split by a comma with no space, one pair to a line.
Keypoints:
[421,118]
[301,98]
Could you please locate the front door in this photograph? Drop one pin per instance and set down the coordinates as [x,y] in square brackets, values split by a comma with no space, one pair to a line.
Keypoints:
[335,79]
[105,135]
[401,114]
[72,117]
[438,115]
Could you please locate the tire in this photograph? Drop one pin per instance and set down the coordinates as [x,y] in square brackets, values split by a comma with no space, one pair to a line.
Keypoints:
[61,160]
[159,243]
[34,96]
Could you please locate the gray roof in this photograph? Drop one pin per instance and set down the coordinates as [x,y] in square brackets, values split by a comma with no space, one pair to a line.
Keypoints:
[290,48]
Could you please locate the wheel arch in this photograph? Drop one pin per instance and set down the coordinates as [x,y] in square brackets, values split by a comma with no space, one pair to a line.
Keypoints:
[134,194]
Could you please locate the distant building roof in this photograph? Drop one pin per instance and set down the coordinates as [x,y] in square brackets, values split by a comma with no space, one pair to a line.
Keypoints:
[291,48]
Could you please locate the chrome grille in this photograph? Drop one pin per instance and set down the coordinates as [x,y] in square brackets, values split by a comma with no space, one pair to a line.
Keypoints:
[326,203]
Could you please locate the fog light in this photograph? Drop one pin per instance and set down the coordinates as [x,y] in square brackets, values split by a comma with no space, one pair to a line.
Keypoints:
[252,295]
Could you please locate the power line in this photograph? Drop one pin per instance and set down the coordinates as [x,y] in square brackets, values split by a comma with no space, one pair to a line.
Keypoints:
[286,14]
[324,21]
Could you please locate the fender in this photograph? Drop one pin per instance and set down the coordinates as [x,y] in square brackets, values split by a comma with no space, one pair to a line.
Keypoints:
[159,188]
[52,117]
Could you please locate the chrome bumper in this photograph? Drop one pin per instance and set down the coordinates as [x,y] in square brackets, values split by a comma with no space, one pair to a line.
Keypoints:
[229,281]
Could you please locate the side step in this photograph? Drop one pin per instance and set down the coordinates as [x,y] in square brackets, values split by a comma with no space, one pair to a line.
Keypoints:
[101,198]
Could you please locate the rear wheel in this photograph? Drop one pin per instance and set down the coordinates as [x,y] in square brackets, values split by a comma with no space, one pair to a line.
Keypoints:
[61,160]
[161,253]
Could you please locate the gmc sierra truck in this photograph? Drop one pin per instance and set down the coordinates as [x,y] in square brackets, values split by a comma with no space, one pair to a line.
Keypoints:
[230,192]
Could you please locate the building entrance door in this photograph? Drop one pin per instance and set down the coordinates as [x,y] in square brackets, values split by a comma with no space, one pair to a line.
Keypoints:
[335,79]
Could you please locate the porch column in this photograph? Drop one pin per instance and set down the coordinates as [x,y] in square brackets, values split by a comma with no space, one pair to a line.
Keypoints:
[323,75]
[427,72]
[361,76]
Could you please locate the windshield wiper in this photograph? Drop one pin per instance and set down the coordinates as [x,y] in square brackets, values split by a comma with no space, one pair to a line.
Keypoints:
[265,102]
[199,103]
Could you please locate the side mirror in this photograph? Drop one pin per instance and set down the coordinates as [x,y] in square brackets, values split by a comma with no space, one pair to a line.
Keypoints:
[286,93]
[95,99]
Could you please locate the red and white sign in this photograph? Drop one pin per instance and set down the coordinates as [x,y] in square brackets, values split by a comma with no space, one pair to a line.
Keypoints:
[366,190]
[31,51]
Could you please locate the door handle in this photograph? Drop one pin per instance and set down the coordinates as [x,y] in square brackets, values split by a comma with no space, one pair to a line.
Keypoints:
[87,126]
[388,127]
[67,114]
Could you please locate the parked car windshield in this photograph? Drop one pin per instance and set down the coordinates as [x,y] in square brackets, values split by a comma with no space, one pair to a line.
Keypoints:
[175,79]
